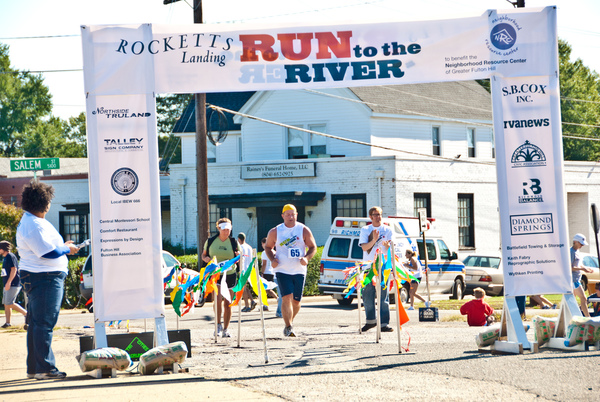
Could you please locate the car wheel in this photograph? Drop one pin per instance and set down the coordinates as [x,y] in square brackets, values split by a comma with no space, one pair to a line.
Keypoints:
[345,302]
[457,290]
[201,300]
[584,283]
[404,294]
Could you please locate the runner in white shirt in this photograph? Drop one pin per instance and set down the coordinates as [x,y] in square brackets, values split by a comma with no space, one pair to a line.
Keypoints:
[294,246]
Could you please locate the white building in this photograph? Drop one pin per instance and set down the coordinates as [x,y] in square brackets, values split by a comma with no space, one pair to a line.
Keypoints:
[447,164]
[250,174]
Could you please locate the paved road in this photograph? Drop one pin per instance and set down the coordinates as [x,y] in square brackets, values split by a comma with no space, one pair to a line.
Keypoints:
[330,360]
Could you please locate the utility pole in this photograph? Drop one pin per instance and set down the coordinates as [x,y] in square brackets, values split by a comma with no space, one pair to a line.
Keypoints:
[201,159]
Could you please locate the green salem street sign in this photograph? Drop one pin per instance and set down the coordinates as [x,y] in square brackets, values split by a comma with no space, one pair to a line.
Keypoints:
[18,165]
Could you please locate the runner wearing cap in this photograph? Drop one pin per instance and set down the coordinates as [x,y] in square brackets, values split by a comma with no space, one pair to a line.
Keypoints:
[294,246]
[576,268]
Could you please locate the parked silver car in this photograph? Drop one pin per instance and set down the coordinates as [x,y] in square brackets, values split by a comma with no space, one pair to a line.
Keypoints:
[484,271]
[86,283]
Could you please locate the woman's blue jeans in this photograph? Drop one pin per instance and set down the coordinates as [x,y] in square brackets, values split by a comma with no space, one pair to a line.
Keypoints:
[368,298]
[45,293]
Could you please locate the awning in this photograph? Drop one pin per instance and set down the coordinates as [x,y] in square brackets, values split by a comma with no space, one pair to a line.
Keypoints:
[298,198]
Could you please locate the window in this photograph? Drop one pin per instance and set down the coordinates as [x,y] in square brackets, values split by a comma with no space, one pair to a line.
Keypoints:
[357,251]
[74,226]
[445,253]
[211,152]
[431,254]
[422,200]
[351,205]
[214,214]
[471,142]
[13,200]
[435,140]
[338,248]
[300,143]
[466,226]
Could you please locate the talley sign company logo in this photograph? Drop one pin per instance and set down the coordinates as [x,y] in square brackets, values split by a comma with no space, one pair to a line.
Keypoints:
[503,36]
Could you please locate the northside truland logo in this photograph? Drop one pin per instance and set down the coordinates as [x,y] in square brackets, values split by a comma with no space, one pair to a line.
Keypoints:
[119,113]
[124,181]
[531,224]
[528,155]
[503,36]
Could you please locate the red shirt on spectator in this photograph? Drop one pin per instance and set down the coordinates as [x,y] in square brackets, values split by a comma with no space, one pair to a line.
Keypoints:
[477,312]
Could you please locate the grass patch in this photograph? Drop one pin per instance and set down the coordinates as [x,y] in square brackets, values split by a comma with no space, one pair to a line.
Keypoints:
[497,303]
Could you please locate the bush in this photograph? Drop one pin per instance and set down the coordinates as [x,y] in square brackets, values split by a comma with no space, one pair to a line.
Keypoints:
[177,249]
[190,261]
[311,286]
[9,220]
[72,280]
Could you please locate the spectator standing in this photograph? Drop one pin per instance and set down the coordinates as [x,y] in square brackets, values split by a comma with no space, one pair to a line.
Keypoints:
[373,237]
[246,251]
[12,283]
[43,268]
[576,269]
[269,275]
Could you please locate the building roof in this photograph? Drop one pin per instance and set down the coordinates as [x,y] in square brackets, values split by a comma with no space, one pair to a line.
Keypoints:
[68,166]
[228,100]
[454,100]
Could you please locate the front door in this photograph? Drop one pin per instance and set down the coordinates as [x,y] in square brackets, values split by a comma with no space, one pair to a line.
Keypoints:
[269,217]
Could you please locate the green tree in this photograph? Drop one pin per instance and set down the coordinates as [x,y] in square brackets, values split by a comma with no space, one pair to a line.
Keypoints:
[169,108]
[580,104]
[9,219]
[24,101]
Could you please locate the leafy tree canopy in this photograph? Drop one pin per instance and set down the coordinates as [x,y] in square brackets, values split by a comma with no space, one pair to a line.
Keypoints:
[27,127]
[580,104]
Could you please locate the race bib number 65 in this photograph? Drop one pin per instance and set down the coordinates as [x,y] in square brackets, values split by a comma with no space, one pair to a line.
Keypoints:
[294,253]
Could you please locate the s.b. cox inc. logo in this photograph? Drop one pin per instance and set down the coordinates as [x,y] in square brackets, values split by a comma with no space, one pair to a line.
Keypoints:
[119,113]
[503,36]
[528,155]
[124,181]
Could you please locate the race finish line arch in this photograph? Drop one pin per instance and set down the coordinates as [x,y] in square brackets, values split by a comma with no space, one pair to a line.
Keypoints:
[125,67]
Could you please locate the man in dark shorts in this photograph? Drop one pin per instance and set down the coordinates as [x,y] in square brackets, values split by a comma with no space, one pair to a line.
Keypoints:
[294,246]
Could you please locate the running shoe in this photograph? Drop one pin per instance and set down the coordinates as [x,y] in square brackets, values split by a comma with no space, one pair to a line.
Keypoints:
[225,334]
[53,375]
[219,329]
[7,325]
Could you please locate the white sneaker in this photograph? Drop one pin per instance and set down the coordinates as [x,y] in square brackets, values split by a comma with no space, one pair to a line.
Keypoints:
[225,334]
[219,329]
[289,332]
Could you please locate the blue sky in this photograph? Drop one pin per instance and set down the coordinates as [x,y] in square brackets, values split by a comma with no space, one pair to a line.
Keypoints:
[60,21]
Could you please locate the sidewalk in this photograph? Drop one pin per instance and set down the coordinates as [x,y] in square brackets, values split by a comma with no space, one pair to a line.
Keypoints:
[14,385]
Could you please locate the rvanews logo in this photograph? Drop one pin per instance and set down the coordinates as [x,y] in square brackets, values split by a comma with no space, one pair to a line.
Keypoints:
[528,155]
[124,181]
[503,36]
[119,113]
[531,224]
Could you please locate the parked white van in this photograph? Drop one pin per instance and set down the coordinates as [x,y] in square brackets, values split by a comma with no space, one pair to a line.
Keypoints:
[446,272]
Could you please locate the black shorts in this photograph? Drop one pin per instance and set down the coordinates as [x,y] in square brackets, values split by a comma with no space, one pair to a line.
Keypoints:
[269,277]
[231,280]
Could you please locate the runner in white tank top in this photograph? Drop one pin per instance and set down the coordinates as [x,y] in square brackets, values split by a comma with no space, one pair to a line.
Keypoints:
[289,247]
